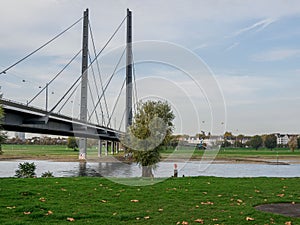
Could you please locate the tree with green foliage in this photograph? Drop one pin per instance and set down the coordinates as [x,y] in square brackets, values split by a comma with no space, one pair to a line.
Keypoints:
[151,129]
[256,142]
[2,134]
[228,136]
[293,143]
[270,141]
[72,143]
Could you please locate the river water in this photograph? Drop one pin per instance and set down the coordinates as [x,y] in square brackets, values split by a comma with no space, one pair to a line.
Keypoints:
[164,169]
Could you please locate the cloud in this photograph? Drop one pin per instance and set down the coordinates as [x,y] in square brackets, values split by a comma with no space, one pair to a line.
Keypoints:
[276,55]
[235,44]
[244,89]
[258,26]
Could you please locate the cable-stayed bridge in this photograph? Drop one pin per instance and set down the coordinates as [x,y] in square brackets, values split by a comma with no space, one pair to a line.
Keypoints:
[95,117]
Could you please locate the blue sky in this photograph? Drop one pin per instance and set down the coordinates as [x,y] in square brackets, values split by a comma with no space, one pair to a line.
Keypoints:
[252,48]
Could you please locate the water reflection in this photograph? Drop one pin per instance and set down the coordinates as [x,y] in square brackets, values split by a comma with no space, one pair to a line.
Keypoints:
[164,169]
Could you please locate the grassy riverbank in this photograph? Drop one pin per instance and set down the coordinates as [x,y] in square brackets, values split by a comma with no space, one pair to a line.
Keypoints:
[62,153]
[100,201]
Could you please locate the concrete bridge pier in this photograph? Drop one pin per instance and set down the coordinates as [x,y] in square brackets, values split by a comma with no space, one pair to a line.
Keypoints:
[117,147]
[84,82]
[106,148]
[99,148]
[82,148]
[113,147]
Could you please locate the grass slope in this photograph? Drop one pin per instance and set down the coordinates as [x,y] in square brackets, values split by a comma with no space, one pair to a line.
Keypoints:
[100,201]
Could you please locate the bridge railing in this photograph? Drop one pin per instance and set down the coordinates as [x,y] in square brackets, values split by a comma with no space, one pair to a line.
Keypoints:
[18,105]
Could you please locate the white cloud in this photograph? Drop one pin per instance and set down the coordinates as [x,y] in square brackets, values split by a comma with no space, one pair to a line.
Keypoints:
[276,55]
[235,44]
[258,26]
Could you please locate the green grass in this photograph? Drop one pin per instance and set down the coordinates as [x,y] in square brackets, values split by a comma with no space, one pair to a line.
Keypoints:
[42,151]
[100,201]
[231,153]
[262,152]
[62,152]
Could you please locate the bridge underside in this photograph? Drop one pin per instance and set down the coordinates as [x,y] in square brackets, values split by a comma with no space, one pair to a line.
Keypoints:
[22,121]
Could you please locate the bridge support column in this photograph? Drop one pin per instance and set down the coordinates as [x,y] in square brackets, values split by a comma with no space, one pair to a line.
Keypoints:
[106,148]
[117,147]
[128,115]
[84,84]
[99,148]
[82,148]
[113,147]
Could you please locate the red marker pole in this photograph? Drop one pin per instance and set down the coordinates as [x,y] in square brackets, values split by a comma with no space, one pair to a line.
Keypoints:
[175,170]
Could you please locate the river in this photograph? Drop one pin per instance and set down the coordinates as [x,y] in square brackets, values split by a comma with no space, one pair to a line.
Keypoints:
[164,169]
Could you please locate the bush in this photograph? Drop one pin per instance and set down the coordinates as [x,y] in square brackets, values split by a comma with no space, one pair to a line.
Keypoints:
[47,174]
[26,170]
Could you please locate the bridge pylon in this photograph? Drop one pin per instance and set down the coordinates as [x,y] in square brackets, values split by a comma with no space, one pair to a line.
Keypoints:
[84,82]
[128,115]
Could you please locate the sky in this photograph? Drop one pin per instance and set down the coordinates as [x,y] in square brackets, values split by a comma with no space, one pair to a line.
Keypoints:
[224,65]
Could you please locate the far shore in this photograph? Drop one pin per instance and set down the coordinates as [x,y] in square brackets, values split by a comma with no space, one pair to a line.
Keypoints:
[284,160]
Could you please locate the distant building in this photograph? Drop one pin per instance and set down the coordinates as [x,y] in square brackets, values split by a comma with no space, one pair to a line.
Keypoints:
[209,142]
[282,139]
[20,135]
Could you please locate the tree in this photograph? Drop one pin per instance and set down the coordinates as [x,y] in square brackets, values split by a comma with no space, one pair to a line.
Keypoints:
[293,143]
[270,141]
[298,141]
[256,142]
[151,129]
[2,134]
[72,143]
[239,141]
[228,136]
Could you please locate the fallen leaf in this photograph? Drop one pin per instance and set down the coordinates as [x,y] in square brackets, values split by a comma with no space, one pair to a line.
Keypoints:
[239,201]
[49,213]
[257,191]
[134,200]
[114,213]
[197,206]
[219,195]
[103,200]
[11,207]
[160,210]
[42,199]
[185,223]
[147,217]
[207,203]
[70,219]
[63,189]
[27,213]
[199,221]
[288,223]
[138,218]
[293,203]
[280,195]
[215,219]
[248,218]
